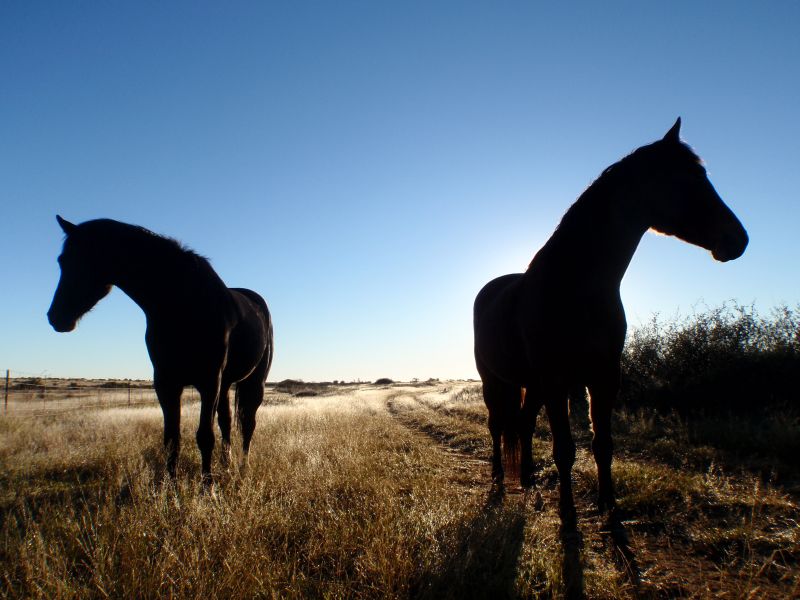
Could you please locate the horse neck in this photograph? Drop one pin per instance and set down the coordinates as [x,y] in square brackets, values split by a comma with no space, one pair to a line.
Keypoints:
[152,278]
[595,241]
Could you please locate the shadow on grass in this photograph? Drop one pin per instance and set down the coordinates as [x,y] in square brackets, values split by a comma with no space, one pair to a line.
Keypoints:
[616,539]
[571,563]
[482,555]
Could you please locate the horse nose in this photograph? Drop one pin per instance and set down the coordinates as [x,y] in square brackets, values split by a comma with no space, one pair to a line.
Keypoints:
[744,239]
[60,327]
[732,244]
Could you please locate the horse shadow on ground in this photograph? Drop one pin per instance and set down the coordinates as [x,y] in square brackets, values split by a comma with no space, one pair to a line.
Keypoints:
[617,543]
[616,539]
[482,555]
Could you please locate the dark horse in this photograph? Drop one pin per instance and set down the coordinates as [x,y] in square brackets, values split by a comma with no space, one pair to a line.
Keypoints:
[560,326]
[199,332]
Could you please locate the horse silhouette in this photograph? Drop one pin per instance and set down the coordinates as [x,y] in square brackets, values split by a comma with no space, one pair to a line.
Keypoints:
[561,325]
[199,332]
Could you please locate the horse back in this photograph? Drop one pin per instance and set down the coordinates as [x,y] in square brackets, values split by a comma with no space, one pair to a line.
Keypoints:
[250,298]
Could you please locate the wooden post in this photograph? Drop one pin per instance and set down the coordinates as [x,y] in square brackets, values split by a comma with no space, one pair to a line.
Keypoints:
[8,374]
[129,393]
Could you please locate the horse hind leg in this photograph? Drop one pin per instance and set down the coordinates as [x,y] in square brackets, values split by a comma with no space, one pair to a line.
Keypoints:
[250,395]
[530,405]
[496,431]
[224,420]
[503,403]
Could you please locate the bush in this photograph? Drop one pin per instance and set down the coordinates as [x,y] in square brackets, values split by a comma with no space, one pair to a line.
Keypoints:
[726,360]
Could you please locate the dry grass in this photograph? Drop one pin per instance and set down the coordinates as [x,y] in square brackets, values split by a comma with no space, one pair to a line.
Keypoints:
[369,493]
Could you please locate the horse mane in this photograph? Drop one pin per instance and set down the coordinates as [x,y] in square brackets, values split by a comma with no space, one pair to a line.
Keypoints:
[168,244]
[583,214]
[145,241]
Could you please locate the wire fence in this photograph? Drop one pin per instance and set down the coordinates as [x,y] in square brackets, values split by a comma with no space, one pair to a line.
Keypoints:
[31,394]
[38,394]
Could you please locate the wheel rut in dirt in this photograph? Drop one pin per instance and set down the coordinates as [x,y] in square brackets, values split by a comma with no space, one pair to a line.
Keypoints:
[424,418]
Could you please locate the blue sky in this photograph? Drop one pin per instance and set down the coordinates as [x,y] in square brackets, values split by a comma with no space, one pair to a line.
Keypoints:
[368,166]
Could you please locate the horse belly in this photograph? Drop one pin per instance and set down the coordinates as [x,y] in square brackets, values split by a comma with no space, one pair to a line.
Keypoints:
[184,355]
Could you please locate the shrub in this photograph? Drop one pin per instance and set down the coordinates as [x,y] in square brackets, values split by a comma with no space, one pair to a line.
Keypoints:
[725,360]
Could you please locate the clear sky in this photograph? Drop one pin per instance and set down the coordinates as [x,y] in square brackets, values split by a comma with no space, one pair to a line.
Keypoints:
[368,166]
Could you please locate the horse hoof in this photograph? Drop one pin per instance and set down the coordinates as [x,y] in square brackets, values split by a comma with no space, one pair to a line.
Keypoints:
[497,494]
[570,536]
[606,506]
[613,525]
[498,476]
[207,488]
[536,500]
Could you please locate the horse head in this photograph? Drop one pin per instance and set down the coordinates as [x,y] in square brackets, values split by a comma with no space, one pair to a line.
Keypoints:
[685,204]
[82,283]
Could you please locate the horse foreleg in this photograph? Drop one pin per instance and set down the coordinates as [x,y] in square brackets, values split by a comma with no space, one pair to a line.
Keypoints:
[601,402]
[209,397]
[169,397]
[563,454]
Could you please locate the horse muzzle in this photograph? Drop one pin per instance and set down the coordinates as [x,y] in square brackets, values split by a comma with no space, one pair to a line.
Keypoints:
[61,326]
[731,246]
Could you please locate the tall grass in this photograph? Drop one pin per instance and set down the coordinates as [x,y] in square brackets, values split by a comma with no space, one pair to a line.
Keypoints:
[384,492]
[340,500]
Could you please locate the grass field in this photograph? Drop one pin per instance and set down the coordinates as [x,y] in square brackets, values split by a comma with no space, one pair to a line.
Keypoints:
[379,492]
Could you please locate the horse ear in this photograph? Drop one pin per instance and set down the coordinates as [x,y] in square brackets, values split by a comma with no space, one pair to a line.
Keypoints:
[674,134]
[65,225]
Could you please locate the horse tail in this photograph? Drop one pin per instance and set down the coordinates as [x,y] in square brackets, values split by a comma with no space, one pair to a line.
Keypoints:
[270,350]
[512,451]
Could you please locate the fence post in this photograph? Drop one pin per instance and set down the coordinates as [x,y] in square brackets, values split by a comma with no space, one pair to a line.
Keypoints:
[129,393]
[8,374]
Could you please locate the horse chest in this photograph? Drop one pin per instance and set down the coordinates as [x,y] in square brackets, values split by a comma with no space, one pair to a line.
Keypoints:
[184,349]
